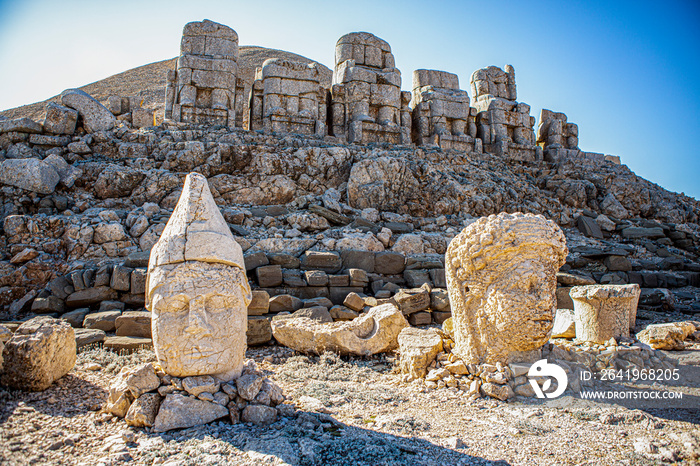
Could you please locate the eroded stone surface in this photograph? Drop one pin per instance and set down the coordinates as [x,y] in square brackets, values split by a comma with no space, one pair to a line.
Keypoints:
[374,332]
[604,311]
[418,349]
[41,351]
[501,278]
[178,411]
[197,290]
[668,336]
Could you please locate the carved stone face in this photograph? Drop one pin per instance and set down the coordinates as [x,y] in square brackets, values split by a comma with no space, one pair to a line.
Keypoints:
[501,278]
[519,302]
[200,319]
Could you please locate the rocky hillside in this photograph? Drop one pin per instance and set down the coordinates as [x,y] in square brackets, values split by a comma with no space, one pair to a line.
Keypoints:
[148,81]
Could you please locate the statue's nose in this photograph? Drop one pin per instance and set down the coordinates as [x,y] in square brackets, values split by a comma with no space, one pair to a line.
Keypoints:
[197,318]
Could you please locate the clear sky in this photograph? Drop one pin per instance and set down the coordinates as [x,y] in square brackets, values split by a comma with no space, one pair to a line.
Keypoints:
[627,72]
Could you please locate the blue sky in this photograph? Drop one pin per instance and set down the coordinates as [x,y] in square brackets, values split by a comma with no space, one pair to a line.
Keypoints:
[625,71]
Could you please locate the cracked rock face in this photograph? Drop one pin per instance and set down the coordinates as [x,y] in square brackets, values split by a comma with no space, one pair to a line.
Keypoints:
[197,290]
[501,279]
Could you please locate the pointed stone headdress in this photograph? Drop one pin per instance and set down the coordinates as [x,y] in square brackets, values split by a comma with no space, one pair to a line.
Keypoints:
[196,231]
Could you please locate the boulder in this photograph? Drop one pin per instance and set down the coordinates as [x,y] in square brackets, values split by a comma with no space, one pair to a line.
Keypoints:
[67,173]
[96,117]
[117,181]
[418,349]
[668,336]
[130,384]
[177,412]
[374,332]
[41,351]
[30,174]
[60,119]
[105,320]
[20,125]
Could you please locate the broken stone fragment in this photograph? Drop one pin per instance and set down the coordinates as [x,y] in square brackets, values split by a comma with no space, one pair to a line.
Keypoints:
[95,116]
[41,351]
[177,412]
[418,349]
[374,332]
[668,336]
[130,384]
[143,411]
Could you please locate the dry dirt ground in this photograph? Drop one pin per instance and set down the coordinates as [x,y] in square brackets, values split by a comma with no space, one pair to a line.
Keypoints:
[359,413]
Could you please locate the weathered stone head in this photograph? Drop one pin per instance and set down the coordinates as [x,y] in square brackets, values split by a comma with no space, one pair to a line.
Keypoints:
[501,279]
[197,290]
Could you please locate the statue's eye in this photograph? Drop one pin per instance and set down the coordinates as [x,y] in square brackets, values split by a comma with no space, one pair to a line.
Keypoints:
[176,304]
[219,303]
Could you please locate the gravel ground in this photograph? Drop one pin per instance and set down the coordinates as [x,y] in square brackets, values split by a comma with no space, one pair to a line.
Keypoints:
[349,412]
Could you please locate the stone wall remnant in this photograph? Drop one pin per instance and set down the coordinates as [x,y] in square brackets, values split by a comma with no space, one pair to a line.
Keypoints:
[441,112]
[557,137]
[501,279]
[604,311]
[504,125]
[287,97]
[205,87]
[197,290]
[367,102]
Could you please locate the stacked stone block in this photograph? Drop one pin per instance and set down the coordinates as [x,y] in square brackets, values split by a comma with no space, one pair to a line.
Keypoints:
[504,125]
[556,136]
[367,102]
[205,87]
[441,113]
[287,97]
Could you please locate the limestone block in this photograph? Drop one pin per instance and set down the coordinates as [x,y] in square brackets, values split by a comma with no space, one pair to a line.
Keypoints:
[197,290]
[86,336]
[374,332]
[259,330]
[259,304]
[418,349]
[603,311]
[95,116]
[30,174]
[105,320]
[177,412]
[60,119]
[21,125]
[41,351]
[134,324]
[668,336]
[501,279]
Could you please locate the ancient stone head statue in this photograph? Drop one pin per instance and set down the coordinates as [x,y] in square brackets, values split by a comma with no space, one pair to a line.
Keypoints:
[197,290]
[501,279]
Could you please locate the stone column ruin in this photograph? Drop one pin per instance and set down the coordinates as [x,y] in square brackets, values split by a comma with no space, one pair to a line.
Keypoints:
[441,113]
[287,97]
[205,87]
[367,102]
[504,125]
